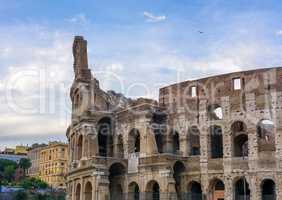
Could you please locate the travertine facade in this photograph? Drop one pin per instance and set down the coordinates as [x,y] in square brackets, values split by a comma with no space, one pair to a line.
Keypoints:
[213,138]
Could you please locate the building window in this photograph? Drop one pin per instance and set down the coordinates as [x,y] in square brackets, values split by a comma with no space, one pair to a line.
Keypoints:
[194,91]
[237,84]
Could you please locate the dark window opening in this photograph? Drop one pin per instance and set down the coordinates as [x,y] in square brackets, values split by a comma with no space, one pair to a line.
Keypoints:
[176,144]
[216,142]
[134,141]
[195,191]
[156,191]
[116,172]
[194,141]
[178,170]
[242,190]
[134,191]
[159,127]
[105,137]
[268,190]
[241,146]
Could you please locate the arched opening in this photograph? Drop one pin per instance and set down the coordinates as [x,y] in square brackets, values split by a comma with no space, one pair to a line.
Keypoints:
[178,170]
[153,191]
[195,191]
[77,192]
[217,190]
[266,137]
[215,112]
[242,190]
[175,142]
[116,177]
[134,191]
[134,141]
[194,141]
[216,142]
[241,145]
[105,137]
[159,141]
[88,191]
[240,139]
[159,128]
[268,190]
[79,147]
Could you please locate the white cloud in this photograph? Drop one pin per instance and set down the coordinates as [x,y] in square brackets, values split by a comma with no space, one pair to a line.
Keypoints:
[78,19]
[279,32]
[34,85]
[150,17]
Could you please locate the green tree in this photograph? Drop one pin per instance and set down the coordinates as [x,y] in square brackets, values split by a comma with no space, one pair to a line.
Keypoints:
[25,164]
[9,172]
[33,183]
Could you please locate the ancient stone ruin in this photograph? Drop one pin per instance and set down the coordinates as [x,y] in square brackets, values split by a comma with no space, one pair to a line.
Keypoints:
[214,138]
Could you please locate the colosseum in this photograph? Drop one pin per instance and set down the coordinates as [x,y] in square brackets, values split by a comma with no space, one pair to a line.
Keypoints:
[216,138]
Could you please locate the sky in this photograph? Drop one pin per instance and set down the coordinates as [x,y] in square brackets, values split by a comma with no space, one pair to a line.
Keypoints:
[134,47]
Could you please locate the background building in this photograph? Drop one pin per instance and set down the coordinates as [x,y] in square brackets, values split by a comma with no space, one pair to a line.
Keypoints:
[34,156]
[21,150]
[213,138]
[53,164]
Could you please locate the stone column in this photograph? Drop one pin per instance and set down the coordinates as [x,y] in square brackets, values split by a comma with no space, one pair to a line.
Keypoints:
[278,186]
[253,147]
[84,146]
[82,195]
[148,144]
[184,145]
[72,191]
[228,192]
[103,189]
[254,187]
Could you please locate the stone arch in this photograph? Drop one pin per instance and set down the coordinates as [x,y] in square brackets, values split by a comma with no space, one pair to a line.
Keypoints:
[79,147]
[241,189]
[134,141]
[216,141]
[116,177]
[133,191]
[194,191]
[266,135]
[105,137]
[78,192]
[178,171]
[153,190]
[216,189]
[268,190]
[240,139]
[88,191]
[194,141]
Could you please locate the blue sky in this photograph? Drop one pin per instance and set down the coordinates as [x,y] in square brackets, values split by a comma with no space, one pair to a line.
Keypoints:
[135,47]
